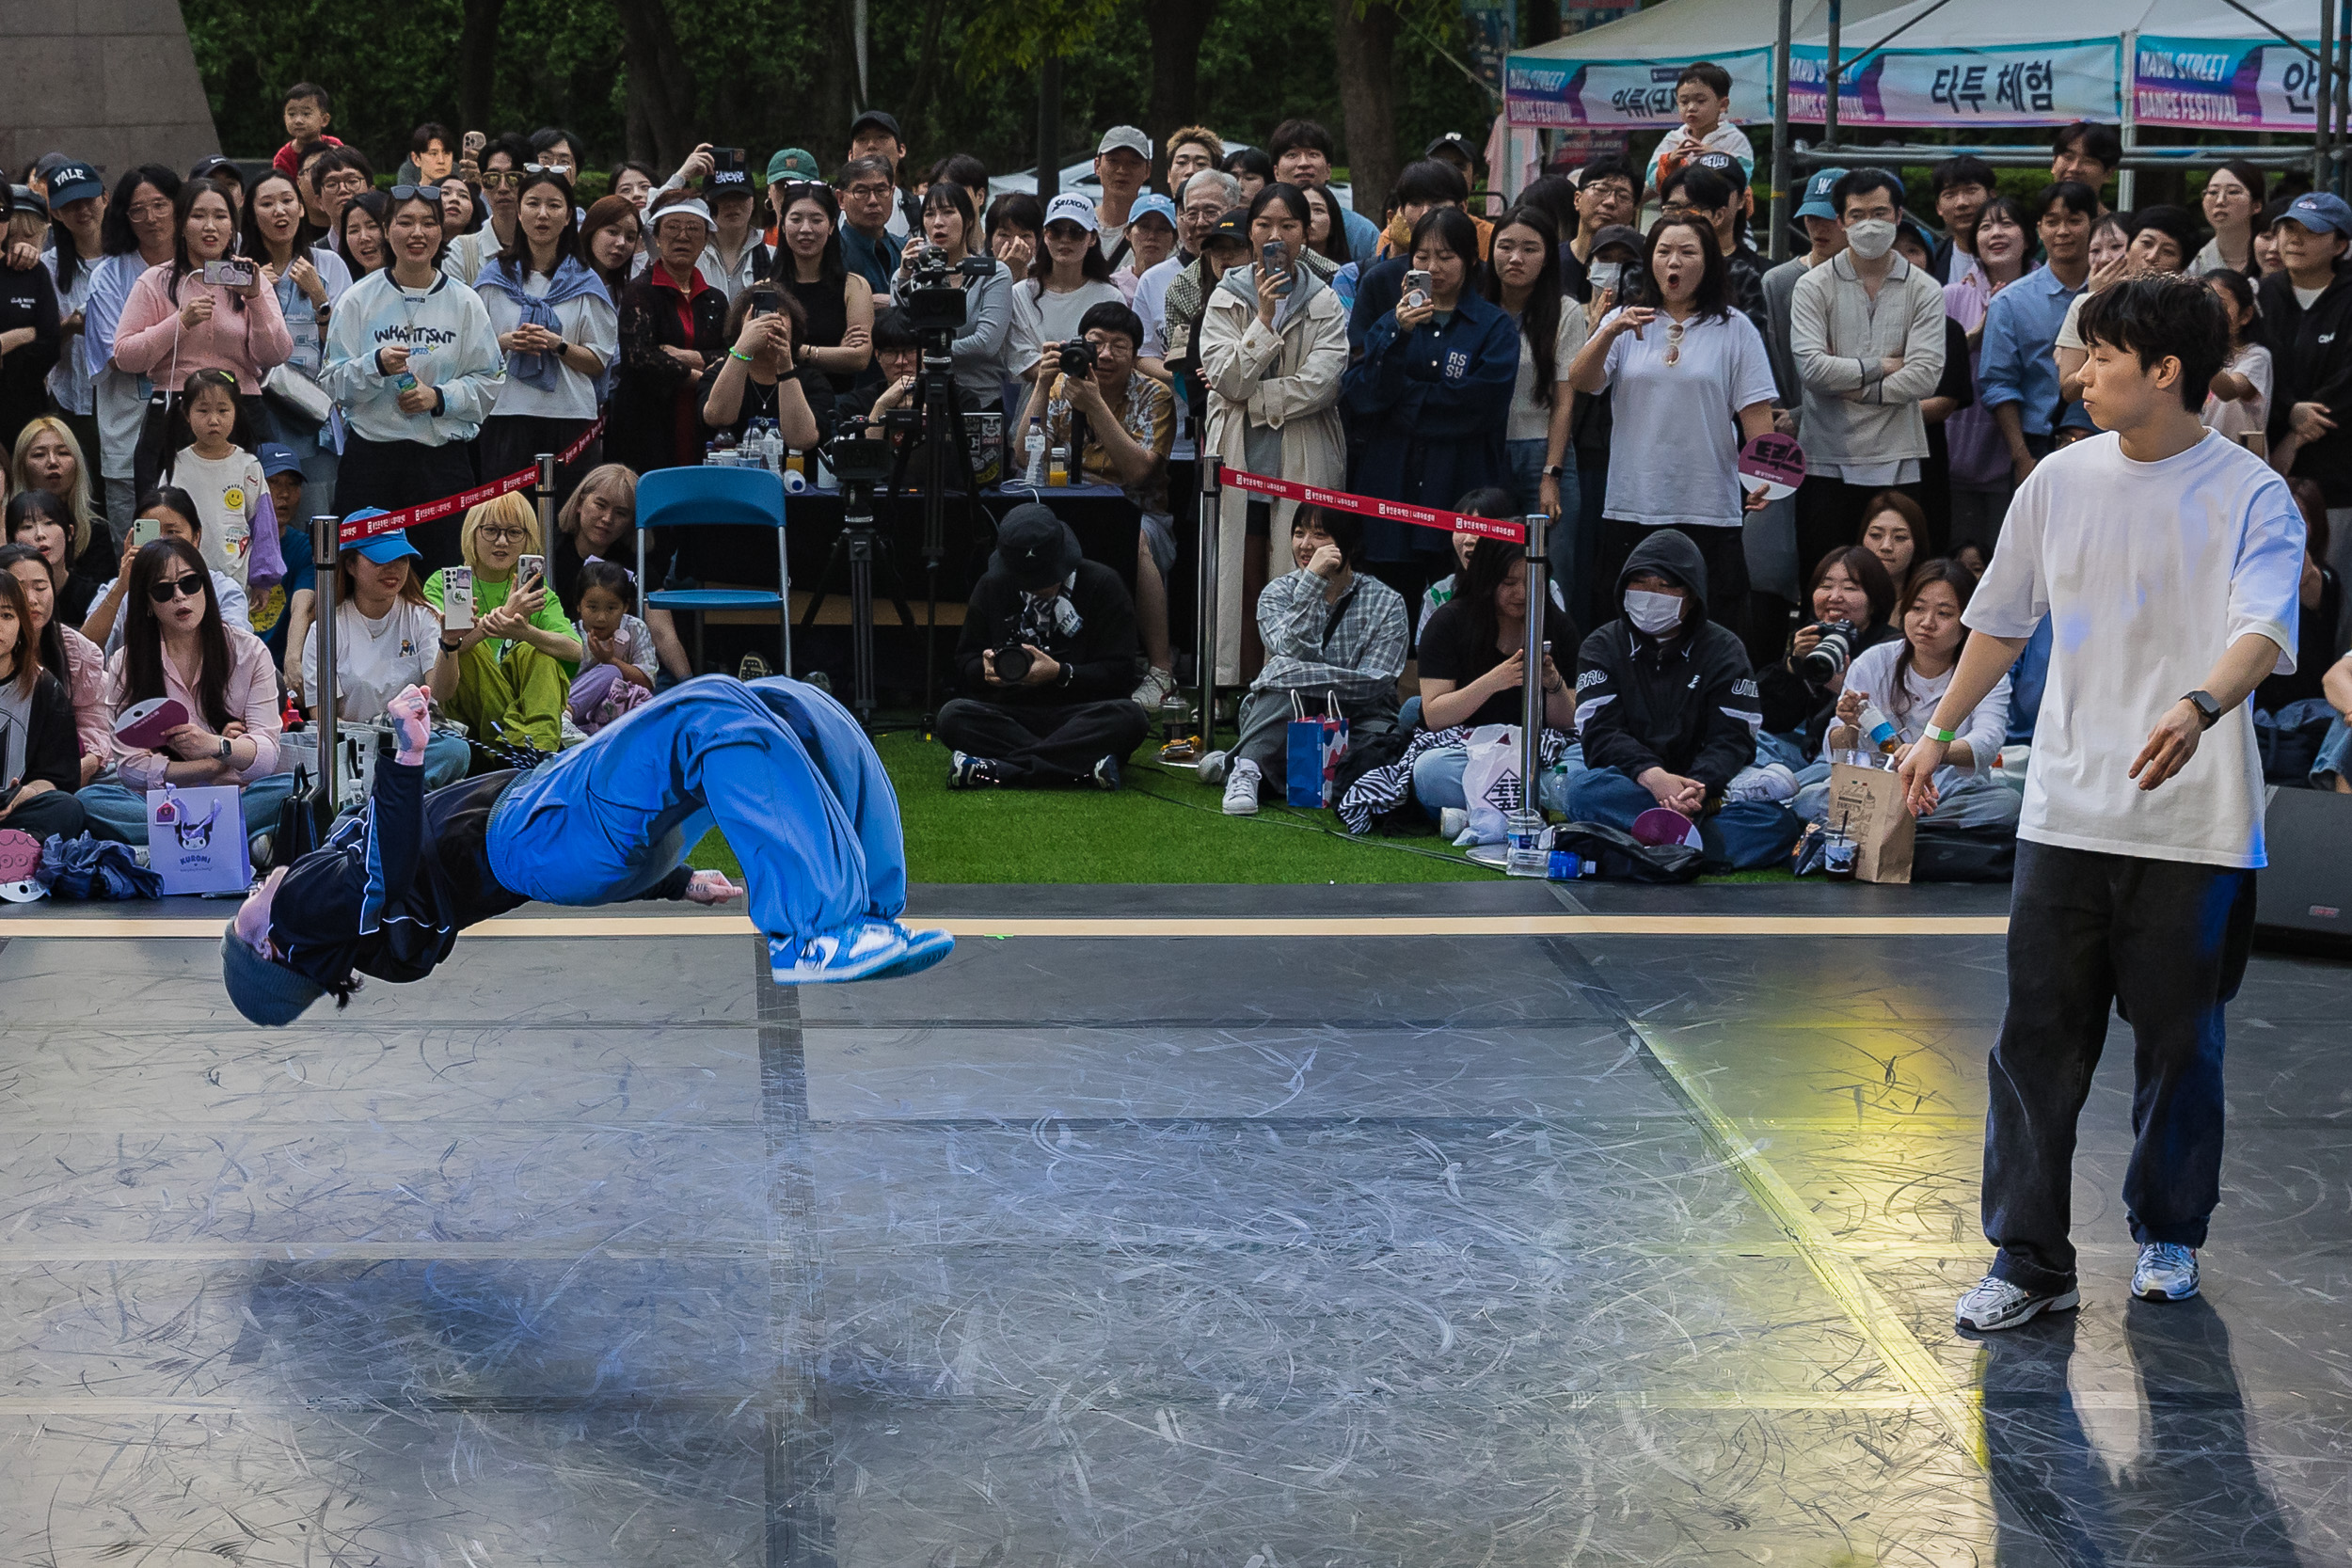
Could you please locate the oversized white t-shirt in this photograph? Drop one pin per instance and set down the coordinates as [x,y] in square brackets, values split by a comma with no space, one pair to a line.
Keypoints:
[1530,421]
[375,660]
[1674,448]
[2149,572]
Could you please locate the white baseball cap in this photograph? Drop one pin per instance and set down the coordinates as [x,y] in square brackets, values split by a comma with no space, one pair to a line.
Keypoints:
[1072,207]
[1128,137]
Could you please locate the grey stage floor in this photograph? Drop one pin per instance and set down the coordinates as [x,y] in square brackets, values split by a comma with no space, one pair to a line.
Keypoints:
[1202,1251]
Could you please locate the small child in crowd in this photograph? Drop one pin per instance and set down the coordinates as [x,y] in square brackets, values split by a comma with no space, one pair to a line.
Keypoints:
[617,661]
[1703,99]
[215,465]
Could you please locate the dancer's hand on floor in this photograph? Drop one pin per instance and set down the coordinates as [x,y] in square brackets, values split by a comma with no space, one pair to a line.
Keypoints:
[712,887]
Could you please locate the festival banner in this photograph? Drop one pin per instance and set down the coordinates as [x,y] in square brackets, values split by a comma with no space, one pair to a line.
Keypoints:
[2224,85]
[2018,84]
[1491,27]
[1638,94]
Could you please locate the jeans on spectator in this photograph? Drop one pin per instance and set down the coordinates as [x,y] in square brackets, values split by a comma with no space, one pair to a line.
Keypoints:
[1747,833]
[1975,803]
[53,813]
[1043,745]
[2165,942]
[119,813]
[2335,761]
[1526,461]
[1438,779]
[1787,749]
[775,766]
[1265,717]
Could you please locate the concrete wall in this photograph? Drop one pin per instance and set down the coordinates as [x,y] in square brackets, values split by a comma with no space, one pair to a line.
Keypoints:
[113,82]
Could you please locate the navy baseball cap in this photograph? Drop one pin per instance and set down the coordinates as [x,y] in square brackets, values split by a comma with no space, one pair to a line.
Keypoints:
[73,182]
[1816,202]
[2322,214]
[276,459]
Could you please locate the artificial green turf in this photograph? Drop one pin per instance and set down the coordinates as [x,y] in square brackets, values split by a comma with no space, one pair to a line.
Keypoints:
[1162,826]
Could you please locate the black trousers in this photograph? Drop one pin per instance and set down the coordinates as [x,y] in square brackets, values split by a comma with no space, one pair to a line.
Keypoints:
[1043,745]
[1830,515]
[2163,941]
[52,810]
[513,441]
[393,474]
[1722,550]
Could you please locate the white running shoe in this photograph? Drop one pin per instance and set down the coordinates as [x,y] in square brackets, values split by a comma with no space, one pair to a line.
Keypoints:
[1453,822]
[855,952]
[1241,789]
[1997,1303]
[2167,1271]
[1158,686]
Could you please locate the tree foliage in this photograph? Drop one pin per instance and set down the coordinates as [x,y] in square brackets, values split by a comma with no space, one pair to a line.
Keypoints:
[779,74]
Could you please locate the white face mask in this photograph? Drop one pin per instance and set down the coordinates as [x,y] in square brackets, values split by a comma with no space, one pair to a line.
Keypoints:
[1871,238]
[1655,614]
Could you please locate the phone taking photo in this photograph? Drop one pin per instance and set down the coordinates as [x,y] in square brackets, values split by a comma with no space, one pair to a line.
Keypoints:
[1275,257]
[457,598]
[229,271]
[529,572]
[475,141]
[1420,288]
[145,532]
[765,302]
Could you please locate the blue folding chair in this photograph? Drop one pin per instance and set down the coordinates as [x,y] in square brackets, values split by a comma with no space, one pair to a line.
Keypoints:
[714,497]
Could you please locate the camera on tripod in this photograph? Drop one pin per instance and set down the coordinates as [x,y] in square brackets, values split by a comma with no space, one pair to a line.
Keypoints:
[931,301]
[856,457]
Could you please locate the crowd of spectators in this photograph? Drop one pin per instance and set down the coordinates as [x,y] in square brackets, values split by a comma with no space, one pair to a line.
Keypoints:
[192,366]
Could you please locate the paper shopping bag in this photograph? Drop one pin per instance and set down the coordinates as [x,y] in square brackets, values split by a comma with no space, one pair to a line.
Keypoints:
[1311,761]
[1866,805]
[195,839]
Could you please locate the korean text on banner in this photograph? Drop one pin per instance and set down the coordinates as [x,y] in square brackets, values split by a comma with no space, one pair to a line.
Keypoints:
[2042,83]
[1548,92]
[2224,85]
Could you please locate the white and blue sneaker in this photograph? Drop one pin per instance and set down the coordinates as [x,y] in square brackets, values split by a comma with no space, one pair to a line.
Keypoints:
[2167,1271]
[925,949]
[859,951]
[1996,1303]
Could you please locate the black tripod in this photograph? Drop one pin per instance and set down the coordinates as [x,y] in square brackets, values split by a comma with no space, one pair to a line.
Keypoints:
[937,421]
[860,542]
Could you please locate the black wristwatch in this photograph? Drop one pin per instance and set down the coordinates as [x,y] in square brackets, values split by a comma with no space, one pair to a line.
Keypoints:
[450,647]
[2208,711]
[225,747]
[1555,470]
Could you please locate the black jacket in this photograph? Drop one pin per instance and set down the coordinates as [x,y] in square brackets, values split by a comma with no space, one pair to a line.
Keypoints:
[1688,706]
[1794,706]
[391,889]
[26,299]
[654,420]
[2310,354]
[53,748]
[1101,658]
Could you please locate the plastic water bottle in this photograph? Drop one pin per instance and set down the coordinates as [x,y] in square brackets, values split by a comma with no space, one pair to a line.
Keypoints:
[1528,855]
[1878,731]
[1035,474]
[1566,866]
[771,446]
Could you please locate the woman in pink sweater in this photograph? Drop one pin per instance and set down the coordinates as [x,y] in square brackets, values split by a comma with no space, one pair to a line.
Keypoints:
[176,323]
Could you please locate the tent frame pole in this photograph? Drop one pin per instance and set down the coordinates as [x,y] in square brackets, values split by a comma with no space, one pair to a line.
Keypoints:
[1778,249]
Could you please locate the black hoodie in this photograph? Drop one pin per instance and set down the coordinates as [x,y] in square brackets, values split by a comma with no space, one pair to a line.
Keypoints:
[1688,705]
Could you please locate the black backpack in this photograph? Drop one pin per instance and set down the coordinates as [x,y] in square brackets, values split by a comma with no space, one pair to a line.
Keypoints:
[1625,859]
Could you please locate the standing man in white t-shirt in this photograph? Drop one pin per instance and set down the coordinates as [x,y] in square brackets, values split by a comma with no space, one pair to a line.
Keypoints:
[2168,559]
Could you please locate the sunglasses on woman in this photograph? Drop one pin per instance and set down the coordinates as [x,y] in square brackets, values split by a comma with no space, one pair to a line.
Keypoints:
[409,193]
[168,589]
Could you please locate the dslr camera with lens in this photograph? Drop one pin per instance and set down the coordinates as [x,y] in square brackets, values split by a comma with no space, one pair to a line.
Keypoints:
[1012,663]
[1077,356]
[1828,658]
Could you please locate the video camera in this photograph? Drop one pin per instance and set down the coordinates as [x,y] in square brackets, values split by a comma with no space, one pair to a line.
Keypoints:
[855,457]
[931,301]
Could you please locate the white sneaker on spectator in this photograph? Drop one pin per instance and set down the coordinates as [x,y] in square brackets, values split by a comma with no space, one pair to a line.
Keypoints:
[1158,684]
[1211,767]
[1241,789]
[1994,1304]
[1453,822]
[2167,1271]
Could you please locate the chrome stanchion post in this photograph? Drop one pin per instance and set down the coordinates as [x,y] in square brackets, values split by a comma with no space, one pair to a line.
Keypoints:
[544,490]
[1526,855]
[325,561]
[1212,524]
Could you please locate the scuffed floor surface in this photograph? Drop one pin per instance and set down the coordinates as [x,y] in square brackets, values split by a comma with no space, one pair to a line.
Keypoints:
[1382,1252]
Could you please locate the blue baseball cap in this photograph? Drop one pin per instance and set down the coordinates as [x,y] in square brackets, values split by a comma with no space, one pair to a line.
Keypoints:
[1817,203]
[276,459]
[1153,203]
[384,549]
[2322,214]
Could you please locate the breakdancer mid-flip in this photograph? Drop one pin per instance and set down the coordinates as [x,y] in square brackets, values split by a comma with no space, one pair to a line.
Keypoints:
[781,768]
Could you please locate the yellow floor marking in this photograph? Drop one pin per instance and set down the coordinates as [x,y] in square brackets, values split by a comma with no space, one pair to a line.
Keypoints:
[1341,925]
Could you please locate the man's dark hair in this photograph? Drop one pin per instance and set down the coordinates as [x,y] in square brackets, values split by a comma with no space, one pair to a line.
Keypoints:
[1962,170]
[1111,316]
[312,92]
[1299,132]
[1346,529]
[1703,188]
[1862,182]
[1707,73]
[894,330]
[2073,195]
[515,145]
[423,137]
[1249,160]
[1430,182]
[873,164]
[963,169]
[547,135]
[1611,166]
[2091,139]
[334,161]
[2172,222]
[2162,318]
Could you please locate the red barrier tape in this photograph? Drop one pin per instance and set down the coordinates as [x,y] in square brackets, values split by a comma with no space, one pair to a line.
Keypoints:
[354,532]
[1507,528]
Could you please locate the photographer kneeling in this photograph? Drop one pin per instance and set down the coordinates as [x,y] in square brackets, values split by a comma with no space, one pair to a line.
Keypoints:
[1852,601]
[1120,425]
[1047,652]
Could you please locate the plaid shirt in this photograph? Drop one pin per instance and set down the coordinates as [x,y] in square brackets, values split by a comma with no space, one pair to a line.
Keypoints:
[1354,647]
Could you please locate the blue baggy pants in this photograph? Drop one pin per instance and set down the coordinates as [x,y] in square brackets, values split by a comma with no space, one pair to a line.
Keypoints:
[781,770]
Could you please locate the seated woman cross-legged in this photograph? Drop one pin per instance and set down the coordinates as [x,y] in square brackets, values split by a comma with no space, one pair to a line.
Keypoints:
[516,662]
[1474,665]
[1850,592]
[178,645]
[1668,715]
[388,638]
[174,514]
[39,769]
[74,659]
[1905,681]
